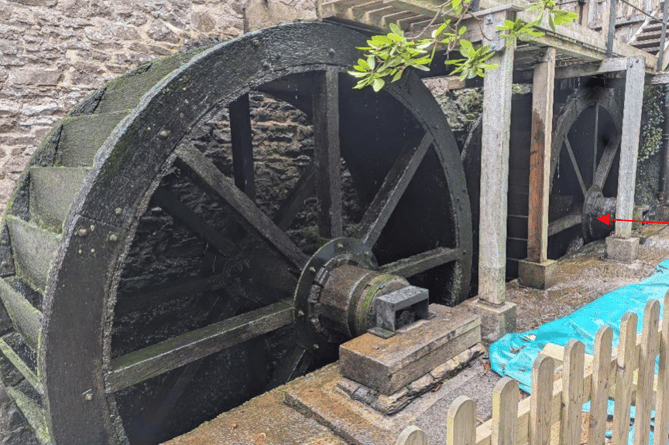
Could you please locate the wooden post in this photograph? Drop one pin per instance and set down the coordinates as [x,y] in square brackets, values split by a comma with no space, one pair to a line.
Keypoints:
[609,26]
[504,412]
[572,393]
[662,399]
[629,145]
[540,157]
[600,385]
[540,402]
[495,166]
[628,356]
[647,355]
[461,422]
[412,435]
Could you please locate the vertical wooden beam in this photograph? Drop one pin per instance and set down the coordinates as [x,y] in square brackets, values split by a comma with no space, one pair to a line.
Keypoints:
[495,167]
[609,26]
[242,145]
[629,145]
[663,36]
[327,153]
[540,157]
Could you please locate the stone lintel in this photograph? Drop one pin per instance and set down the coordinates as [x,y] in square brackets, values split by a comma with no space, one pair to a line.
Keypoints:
[386,365]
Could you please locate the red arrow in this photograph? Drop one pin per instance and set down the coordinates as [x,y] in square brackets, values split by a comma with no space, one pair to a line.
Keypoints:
[606,218]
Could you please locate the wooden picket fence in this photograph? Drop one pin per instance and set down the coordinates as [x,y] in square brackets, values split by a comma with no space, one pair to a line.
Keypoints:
[552,414]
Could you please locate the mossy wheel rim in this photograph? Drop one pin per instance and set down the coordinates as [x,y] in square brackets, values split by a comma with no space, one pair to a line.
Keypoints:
[78,368]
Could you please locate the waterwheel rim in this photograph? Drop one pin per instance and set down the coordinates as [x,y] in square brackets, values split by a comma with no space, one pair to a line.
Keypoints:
[74,361]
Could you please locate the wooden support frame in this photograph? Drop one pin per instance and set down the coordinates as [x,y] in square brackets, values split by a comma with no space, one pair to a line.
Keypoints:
[495,170]
[629,146]
[540,157]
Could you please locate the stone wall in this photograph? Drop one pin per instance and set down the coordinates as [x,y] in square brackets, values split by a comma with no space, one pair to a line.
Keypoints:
[55,52]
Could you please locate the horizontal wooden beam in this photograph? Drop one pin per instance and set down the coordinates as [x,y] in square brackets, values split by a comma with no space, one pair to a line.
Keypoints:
[154,360]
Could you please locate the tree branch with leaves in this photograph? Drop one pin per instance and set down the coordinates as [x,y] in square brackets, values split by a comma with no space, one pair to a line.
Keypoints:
[387,57]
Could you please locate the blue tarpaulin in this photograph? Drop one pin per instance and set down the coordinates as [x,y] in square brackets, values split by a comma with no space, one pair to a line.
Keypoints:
[514,354]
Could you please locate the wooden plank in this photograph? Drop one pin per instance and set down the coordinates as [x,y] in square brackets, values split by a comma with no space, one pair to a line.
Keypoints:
[24,316]
[629,145]
[165,356]
[325,112]
[600,385]
[540,157]
[572,395]
[592,68]
[647,354]
[212,178]
[662,400]
[505,397]
[413,265]
[461,422]
[412,435]
[13,357]
[394,185]
[540,404]
[241,135]
[495,170]
[626,363]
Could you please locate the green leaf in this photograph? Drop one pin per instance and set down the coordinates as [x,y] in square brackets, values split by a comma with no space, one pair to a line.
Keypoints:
[378,84]
[466,48]
[363,63]
[396,29]
[381,40]
[397,76]
[371,62]
[454,61]
[462,30]
[357,74]
[396,38]
[437,32]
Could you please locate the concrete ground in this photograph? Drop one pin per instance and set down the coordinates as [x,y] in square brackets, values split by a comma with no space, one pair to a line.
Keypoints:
[582,277]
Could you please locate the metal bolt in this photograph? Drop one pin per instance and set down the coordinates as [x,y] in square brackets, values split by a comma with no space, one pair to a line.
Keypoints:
[92,227]
[488,19]
[312,269]
[316,346]
[163,134]
[79,251]
[113,238]
[92,250]
[340,245]
[255,43]
[88,395]
[331,52]
[300,313]
[82,232]
[118,211]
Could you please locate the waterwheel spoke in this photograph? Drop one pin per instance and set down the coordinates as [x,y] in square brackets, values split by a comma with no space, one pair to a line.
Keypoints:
[212,178]
[394,185]
[173,206]
[294,364]
[325,112]
[605,164]
[241,136]
[422,262]
[179,351]
[574,164]
[564,223]
[595,144]
[293,203]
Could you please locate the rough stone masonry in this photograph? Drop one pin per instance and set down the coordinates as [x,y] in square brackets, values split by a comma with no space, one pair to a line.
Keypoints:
[53,53]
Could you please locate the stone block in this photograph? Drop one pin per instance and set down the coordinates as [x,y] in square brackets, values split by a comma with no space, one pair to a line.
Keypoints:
[624,250]
[262,14]
[387,365]
[662,213]
[537,275]
[496,320]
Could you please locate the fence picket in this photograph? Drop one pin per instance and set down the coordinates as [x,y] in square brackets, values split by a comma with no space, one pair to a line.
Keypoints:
[626,364]
[662,403]
[600,385]
[540,401]
[572,377]
[505,398]
[461,422]
[412,435]
[647,354]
